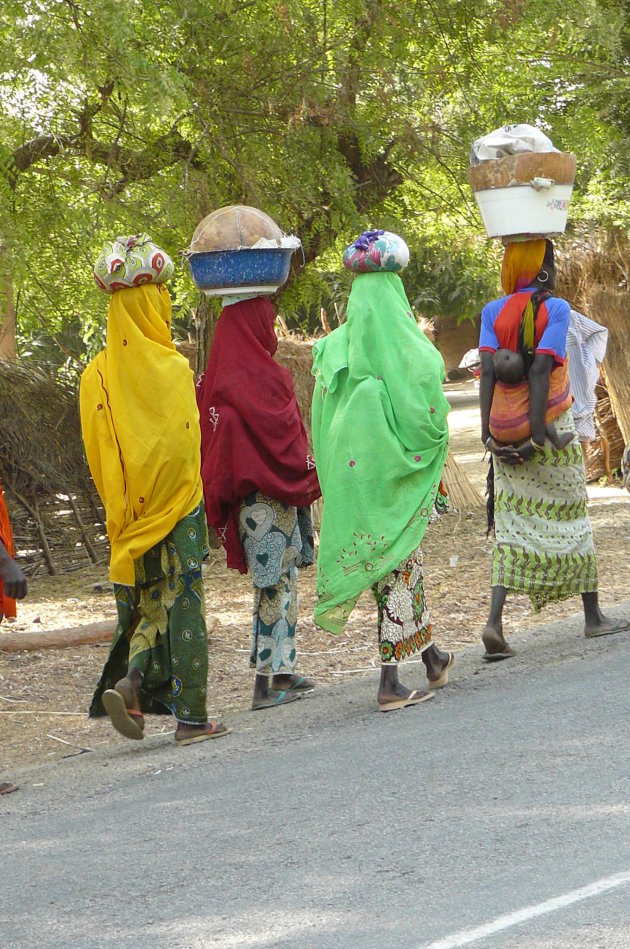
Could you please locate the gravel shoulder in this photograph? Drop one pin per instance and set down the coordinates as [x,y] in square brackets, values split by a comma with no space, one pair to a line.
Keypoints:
[44,695]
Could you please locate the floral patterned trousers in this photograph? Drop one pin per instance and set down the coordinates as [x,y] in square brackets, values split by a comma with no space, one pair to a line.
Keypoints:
[277,538]
[404,629]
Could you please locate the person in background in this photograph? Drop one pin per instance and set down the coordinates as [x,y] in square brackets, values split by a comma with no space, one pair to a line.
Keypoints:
[586,348]
[259,482]
[141,433]
[544,543]
[625,467]
[380,439]
[13,586]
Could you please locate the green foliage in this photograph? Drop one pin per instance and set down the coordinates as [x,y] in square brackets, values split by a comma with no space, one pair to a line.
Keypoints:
[455,279]
[330,116]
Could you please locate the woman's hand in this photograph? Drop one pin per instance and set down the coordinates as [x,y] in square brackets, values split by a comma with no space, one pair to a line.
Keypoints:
[507,453]
[527,451]
[12,577]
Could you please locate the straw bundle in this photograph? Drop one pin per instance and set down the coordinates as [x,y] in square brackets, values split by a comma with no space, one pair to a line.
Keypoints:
[462,494]
[603,456]
[613,310]
[295,354]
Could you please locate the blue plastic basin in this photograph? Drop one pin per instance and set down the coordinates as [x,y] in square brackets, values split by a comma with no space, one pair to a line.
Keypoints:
[227,269]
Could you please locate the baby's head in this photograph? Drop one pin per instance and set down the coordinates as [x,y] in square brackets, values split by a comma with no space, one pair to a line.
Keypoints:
[508,366]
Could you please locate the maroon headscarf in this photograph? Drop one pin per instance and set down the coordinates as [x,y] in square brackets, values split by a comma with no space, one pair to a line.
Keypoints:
[252,433]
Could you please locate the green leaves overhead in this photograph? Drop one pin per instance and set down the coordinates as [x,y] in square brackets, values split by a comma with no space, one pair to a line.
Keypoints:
[332,117]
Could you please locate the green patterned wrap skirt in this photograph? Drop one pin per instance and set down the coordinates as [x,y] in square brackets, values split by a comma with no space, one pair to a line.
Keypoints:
[544,542]
[161,627]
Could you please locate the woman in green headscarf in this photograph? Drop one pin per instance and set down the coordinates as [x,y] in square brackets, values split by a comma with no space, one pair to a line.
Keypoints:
[380,439]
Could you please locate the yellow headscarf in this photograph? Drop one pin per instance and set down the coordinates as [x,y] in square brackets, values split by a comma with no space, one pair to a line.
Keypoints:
[141,427]
[522,261]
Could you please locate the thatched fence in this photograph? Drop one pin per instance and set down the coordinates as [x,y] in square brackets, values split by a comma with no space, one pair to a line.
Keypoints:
[57,519]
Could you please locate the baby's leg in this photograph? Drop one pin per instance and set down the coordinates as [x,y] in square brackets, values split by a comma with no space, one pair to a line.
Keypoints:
[558,441]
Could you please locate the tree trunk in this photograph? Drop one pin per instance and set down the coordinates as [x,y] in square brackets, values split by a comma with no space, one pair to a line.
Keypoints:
[8,346]
[206,317]
[99,632]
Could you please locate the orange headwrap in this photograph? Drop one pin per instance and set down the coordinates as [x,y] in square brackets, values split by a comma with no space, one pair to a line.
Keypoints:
[522,261]
[7,605]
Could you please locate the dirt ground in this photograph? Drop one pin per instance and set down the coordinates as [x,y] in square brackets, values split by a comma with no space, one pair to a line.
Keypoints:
[44,695]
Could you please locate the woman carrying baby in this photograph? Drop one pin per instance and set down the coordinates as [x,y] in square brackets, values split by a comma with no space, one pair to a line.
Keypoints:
[544,543]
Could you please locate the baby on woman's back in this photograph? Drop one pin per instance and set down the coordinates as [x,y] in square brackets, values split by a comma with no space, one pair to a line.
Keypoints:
[509,367]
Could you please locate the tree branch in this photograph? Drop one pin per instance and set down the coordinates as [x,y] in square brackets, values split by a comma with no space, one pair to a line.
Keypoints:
[132,165]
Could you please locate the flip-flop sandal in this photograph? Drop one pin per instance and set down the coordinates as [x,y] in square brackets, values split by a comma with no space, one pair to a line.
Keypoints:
[607,630]
[300,686]
[7,788]
[125,720]
[278,698]
[507,653]
[414,698]
[217,730]
[440,682]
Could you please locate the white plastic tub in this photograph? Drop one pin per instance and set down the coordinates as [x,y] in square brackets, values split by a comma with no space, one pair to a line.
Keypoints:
[526,209]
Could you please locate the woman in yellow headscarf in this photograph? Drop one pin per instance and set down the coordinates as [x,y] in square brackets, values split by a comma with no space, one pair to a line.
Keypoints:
[141,433]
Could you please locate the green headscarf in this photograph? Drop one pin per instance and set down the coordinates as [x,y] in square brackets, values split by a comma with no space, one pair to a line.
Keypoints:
[380,439]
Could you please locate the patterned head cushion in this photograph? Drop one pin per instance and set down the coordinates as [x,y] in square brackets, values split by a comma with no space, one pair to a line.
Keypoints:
[130,262]
[376,251]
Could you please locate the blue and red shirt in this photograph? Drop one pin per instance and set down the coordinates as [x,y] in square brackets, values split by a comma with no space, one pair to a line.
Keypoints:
[500,321]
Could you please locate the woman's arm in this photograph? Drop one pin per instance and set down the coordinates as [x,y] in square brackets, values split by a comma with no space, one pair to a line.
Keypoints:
[486,391]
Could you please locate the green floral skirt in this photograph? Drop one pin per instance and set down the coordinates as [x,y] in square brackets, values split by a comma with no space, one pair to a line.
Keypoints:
[161,627]
[544,543]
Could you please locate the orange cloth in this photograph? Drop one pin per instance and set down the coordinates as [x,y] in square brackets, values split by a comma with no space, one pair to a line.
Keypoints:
[509,413]
[508,320]
[522,261]
[7,605]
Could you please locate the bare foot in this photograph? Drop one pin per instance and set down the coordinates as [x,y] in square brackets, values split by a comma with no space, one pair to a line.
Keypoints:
[496,646]
[131,694]
[272,698]
[413,698]
[122,704]
[435,661]
[391,692]
[440,680]
[188,734]
[292,683]
[605,627]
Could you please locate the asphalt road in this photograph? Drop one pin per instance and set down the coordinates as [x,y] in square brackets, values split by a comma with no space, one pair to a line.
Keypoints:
[497,815]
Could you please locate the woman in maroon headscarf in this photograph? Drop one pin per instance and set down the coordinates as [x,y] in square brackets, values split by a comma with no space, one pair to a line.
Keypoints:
[259,482]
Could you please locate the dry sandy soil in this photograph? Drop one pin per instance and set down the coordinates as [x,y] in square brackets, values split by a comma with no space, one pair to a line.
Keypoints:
[44,695]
